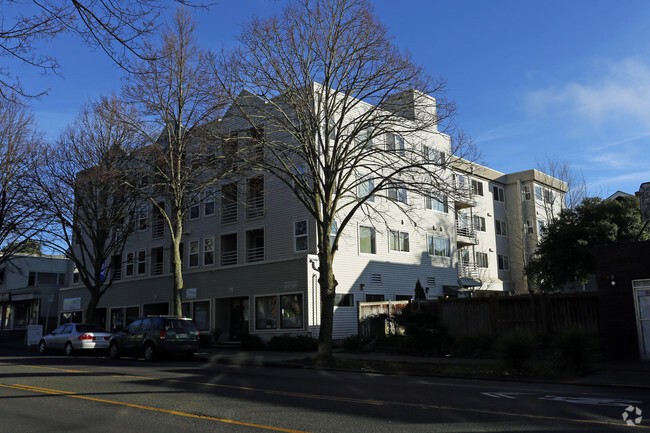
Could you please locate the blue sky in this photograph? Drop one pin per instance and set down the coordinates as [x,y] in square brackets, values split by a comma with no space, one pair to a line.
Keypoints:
[533,79]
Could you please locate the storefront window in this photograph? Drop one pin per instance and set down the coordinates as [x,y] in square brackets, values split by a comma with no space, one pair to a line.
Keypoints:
[266,312]
[291,311]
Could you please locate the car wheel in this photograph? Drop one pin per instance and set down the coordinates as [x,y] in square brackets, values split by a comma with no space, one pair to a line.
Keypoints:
[68,349]
[42,348]
[113,351]
[149,352]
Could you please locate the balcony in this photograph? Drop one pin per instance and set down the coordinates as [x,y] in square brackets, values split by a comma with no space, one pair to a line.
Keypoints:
[467,269]
[228,213]
[463,197]
[158,229]
[229,258]
[255,207]
[255,254]
[465,235]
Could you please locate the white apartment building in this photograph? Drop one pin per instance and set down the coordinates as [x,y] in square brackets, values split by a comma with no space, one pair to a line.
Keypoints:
[504,218]
[250,251]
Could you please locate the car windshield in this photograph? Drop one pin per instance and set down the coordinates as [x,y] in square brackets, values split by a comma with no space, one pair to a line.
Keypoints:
[90,328]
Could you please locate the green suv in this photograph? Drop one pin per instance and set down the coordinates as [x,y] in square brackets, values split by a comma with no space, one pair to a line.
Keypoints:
[155,335]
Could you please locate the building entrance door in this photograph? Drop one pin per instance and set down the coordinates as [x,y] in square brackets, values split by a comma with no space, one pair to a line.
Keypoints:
[642,304]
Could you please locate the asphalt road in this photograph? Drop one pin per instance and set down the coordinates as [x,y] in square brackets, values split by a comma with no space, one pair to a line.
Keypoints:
[88,393]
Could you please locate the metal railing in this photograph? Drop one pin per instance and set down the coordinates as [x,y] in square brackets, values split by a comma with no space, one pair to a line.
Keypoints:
[229,213]
[229,258]
[255,206]
[255,254]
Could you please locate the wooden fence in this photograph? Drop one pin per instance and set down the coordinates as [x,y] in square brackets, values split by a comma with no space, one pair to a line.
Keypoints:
[535,313]
[493,315]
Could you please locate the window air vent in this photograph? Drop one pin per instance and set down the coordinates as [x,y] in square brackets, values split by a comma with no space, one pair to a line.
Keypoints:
[375,278]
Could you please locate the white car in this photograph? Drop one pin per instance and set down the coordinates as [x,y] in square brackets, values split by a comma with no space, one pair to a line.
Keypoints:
[75,337]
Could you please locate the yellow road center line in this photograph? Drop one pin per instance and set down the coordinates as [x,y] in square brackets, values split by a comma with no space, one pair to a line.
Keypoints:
[67,370]
[149,408]
[360,401]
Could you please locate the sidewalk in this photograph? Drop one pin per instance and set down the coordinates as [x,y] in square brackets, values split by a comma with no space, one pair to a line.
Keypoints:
[619,374]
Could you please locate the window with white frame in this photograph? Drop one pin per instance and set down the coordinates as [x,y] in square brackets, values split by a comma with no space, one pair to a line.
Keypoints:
[364,137]
[439,247]
[438,202]
[208,251]
[208,204]
[504,264]
[300,235]
[194,254]
[498,193]
[477,187]
[333,232]
[527,193]
[500,227]
[399,241]
[365,188]
[539,195]
[143,218]
[130,264]
[367,240]
[396,143]
[481,260]
[528,228]
[433,155]
[540,227]
[142,262]
[398,193]
[195,211]
[479,223]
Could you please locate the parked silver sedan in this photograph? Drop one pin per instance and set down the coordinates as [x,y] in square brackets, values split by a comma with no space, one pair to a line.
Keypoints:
[75,337]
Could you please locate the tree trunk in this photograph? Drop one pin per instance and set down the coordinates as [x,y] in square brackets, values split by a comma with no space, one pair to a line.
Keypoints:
[92,306]
[177,308]
[327,284]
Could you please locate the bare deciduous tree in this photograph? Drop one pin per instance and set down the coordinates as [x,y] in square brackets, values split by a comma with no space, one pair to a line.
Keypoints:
[347,117]
[19,144]
[576,184]
[119,29]
[83,193]
[178,97]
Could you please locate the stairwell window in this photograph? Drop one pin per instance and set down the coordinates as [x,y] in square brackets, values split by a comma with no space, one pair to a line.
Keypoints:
[500,227]
[498,193]
[504,264]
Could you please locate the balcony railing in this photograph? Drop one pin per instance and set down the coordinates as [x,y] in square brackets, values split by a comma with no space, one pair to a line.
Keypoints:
[229,258]
[157,268]
[464,196]
[255,254]
[229,213]
[158,229]
[465,233]
[467,269]
[255,207]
